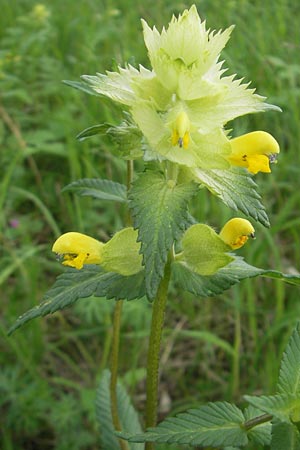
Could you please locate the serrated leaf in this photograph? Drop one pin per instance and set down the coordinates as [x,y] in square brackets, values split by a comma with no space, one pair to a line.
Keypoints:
[236,189]
[214,424]
[233,273]
[285,436]
[81,86]
[260,434]
[159,210]
[97,188]
[281,406]
[127,414]
[289,376]
[93,130]
[75,284]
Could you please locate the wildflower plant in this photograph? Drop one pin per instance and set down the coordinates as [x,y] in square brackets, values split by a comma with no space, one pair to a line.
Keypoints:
[176,117]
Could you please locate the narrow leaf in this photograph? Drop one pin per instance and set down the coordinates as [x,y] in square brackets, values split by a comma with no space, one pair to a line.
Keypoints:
[75,284]
[214,424]
[97,188]
[236,189]
[159,210]
[289,376]
[93,130]
[81,86]
[127,414]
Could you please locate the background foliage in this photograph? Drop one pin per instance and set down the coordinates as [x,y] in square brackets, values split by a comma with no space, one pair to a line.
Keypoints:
[213,349]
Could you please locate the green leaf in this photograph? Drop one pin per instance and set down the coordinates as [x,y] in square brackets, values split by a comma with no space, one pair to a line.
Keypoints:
[81,86]
[127,414]
[159,210]
[214,424]
[97,188]
[93,130]
[285,436]
[236,189]
[281,406]
[234,272]
[289,376]
[75,284]
[206,286]
[260,434]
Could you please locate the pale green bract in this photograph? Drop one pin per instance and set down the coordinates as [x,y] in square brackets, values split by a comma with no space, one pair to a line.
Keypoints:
[186,78]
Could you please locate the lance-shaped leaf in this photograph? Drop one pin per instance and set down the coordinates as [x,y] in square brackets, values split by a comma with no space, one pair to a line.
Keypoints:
[97,188]
[159,210]
[236,189]
[75,284]
[289,376]
[93,130]
[214,424]
[81,86]
[127,414]
[234,272]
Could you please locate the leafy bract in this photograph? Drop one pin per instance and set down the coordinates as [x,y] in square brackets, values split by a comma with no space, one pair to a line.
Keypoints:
[236,189]
[289,376]
[98,188]
[214,424]
[127,414]
[75,284]
[159,210]
[234,272]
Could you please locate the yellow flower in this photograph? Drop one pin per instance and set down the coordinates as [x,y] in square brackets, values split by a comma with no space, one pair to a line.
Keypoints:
[77,249]
[236,232]
[181,130]
[120,254]
[255,151]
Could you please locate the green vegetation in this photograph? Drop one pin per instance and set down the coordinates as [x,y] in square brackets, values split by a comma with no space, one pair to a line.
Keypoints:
[225,346]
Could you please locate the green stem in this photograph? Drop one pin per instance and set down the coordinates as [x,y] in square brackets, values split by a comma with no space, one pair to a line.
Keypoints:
[158,315]
[115,345]
[114,370]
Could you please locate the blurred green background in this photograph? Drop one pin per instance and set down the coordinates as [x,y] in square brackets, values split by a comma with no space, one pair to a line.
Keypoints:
[213,349]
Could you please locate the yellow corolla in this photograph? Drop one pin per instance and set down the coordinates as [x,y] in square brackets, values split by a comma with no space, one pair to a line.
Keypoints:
[181,130]
[236,232]
[77,249]
[255,151]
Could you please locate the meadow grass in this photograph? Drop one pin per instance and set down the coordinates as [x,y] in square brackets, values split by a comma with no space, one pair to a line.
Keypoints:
[214,349]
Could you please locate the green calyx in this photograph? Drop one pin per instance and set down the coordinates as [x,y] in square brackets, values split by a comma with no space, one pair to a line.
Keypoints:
[203,251]
[121,253]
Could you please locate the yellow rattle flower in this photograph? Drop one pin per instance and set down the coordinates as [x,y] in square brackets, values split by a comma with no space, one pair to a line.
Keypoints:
[76,249]
[255,151]
[236,232]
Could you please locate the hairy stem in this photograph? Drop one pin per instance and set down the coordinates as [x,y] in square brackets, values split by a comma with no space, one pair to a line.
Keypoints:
[114,370]
[158,315]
